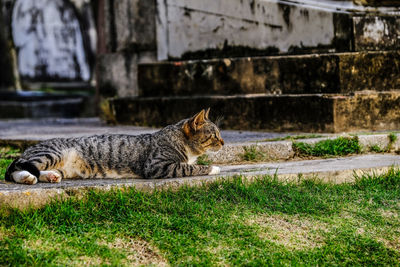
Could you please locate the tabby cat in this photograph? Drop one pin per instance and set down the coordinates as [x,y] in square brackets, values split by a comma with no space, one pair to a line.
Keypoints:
[170,152]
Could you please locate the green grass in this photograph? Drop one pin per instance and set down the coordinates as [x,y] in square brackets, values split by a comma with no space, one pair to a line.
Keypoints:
[392,138]
[204,160]
[252,153]
[376,149]
[293,137]
[331,147]
[7,155]
[3,166]
[9,152]
[266,222]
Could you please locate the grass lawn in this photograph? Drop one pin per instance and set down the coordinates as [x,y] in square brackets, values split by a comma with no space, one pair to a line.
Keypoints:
[267,222]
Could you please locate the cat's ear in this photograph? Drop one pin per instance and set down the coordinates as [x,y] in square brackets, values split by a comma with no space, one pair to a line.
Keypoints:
[207,112]
[194,123]
[198,120]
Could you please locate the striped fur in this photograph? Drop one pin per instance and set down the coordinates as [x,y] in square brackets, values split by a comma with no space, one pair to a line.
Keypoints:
[167,153]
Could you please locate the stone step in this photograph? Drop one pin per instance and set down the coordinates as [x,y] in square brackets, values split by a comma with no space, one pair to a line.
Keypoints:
[306,113]
[375,3]
[337,170]
[30,104]
[300,74]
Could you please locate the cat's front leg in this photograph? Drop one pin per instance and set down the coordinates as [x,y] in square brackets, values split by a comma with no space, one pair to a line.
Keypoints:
[51,176]
[157,170]
[215,170]
[23,177]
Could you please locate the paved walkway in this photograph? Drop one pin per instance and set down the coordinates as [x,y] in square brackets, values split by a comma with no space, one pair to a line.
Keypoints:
[51,128]
[304,167]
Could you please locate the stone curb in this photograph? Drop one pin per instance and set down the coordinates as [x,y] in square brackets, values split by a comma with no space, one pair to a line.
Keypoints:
[338,170]
[38,197]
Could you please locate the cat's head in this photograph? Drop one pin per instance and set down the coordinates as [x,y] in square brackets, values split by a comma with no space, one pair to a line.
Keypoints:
[202,133]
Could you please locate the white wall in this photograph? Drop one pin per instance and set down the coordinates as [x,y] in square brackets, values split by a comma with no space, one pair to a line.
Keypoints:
[192,25]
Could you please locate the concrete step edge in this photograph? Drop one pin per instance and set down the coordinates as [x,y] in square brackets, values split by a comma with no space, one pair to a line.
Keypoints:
[25,196]
[280,56]
[283,74]
[366,111]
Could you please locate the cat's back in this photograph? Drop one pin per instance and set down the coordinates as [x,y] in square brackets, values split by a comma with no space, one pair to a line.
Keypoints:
[96,146]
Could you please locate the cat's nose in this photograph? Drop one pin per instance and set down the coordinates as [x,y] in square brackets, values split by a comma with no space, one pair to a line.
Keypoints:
[222,141]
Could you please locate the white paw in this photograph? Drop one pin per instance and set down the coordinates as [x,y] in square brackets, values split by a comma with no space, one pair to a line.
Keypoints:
[215,170]
[49,177]
[30,179]
[24,177]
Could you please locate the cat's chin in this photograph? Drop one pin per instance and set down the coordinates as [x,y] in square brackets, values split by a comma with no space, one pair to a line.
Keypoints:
[215,149]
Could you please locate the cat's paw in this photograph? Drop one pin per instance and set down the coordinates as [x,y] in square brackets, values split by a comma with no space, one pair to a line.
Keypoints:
[24,177]
[29,179]
[49,177]
[215,170]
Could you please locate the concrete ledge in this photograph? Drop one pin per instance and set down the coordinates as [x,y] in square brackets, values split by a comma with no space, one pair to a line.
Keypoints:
[233,153]
[252,112]
[368,111]
[44,105]
[336,170]
[291,74]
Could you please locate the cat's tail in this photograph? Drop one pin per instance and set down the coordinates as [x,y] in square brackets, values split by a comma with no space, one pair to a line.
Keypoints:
[21,165]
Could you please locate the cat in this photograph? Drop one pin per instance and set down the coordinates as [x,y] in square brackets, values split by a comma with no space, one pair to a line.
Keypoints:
[170,152]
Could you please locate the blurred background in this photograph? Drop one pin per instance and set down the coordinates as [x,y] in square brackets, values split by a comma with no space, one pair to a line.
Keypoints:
[305,65]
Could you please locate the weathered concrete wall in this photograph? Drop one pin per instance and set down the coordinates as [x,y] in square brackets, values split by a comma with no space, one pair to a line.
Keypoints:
[296,74]
[304,113]
[367,110]
[223,28]
[49,41]
[118,74]
[376,32]
[128,25]
[190,26]
[377,71]
[250,112]
[6,73]
[128,32]
[377,2]
[55,40]
[134,25]
[137,31]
